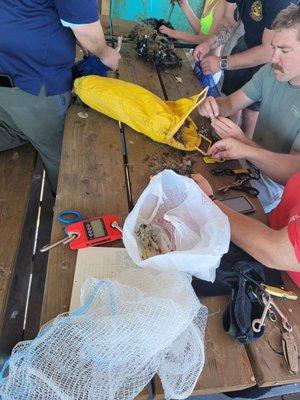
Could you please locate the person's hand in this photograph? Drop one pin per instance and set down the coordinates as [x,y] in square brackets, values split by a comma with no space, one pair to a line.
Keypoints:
[168,31]
[209,108]
[230,149]
[210,65]
[226,128]
[201,50]
[110,58]
[203,184]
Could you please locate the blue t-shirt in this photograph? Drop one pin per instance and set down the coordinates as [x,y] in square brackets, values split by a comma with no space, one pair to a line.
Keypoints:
[257,15]
[35,48]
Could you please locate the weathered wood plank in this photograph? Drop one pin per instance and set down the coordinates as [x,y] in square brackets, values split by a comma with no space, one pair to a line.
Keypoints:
[278,398]
[18,211]
[104,6]
[267,361]
[39,266]
[91,180]
[294,396]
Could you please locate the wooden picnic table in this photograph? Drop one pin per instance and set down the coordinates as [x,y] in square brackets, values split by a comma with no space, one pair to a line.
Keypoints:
[104,169]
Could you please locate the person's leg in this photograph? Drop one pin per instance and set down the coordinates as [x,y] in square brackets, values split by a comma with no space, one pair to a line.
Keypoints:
[41,119]
[10,135]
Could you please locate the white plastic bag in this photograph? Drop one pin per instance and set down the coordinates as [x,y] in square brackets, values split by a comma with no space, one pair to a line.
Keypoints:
[198,230]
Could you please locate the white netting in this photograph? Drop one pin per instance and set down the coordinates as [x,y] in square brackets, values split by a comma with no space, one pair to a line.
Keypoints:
[129,328]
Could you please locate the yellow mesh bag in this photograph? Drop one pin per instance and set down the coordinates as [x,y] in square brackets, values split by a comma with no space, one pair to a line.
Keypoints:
[163,121]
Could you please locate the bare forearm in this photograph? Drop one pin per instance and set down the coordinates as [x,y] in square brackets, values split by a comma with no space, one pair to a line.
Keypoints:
[268,163]
[225,106]
[257,239]
[91,38]
[189,38]
[256,56]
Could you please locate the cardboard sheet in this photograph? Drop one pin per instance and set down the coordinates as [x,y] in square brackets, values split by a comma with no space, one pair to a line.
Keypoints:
[97,262]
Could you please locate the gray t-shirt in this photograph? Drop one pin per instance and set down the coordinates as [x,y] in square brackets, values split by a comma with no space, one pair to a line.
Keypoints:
[278,124]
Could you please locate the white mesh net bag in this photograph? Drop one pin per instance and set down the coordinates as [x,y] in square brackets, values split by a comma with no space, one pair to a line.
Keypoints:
[129,328]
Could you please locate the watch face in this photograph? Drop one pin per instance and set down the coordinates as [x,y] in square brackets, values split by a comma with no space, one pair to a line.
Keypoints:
[223,63]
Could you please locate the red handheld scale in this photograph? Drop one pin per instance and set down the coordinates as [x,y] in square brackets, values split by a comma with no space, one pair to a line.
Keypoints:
[94,231]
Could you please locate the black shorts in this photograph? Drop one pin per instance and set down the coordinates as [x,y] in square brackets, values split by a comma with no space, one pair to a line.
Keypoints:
[235,79]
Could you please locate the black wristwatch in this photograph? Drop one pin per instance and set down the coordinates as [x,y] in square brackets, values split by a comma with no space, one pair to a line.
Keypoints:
[223,63]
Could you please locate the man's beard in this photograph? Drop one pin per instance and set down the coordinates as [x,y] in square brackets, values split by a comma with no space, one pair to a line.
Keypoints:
[277,67]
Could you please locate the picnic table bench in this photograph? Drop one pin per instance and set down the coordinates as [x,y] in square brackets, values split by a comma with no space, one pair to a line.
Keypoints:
[19,185]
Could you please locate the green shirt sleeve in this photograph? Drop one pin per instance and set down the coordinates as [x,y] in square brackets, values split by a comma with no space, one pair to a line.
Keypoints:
[254,88]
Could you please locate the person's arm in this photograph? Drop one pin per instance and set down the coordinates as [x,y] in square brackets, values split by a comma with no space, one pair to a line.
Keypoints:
[267,161]
[221,35]
[218,16]
[91,37]
[257,55]
[183,36]
[198,37]
[224,106]
[226,128]
[191,17]
[271,247]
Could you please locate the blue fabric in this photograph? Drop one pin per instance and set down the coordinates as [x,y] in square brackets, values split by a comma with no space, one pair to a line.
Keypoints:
[35,48]
[206,80]
[89,65]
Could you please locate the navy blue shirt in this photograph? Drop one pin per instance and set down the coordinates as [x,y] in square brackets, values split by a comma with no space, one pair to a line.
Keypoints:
[257,15]
[35,48]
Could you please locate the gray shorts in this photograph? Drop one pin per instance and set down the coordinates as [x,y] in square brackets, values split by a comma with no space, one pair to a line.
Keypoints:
[35,119]
[235,79]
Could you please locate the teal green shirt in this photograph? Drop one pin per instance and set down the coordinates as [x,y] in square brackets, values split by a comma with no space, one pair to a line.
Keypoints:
[278,124]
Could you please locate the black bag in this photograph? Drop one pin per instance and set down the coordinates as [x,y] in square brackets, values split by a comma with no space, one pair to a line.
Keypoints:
[244,302]
[239,276]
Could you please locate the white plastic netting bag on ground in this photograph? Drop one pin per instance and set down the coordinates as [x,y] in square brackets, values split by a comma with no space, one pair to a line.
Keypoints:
[141,323]
[176,226]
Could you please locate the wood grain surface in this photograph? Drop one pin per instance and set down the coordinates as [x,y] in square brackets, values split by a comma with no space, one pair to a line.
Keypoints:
[266,355]
[16,175]
[91,180]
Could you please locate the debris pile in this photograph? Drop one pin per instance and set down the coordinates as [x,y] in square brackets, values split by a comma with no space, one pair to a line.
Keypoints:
[153,240]
[182,165]
[154,46]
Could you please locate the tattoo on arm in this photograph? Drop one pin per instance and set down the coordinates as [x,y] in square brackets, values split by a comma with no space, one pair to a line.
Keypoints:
[223,33]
